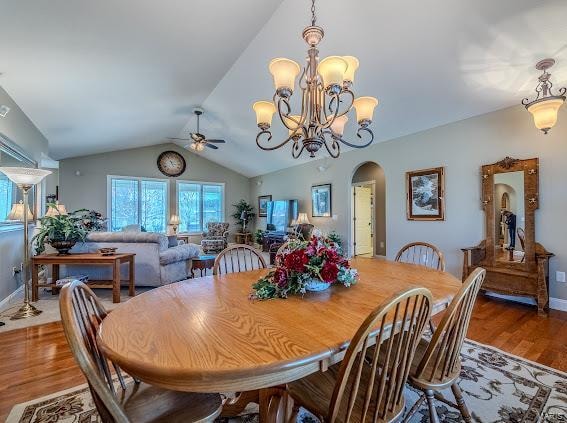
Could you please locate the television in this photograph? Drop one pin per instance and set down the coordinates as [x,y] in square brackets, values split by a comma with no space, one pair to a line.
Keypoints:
[281,213]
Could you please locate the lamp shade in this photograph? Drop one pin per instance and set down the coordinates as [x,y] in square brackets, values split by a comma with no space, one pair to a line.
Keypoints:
[302,219]
[56,210]
[25,175]
[264,112]
[352,67]
[364,107]
[17,212]
[338,125]
[332,70]
[174,220]
[284,72]
[545,111]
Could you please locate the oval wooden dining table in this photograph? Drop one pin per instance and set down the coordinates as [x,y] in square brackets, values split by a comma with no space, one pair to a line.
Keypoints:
[206,335]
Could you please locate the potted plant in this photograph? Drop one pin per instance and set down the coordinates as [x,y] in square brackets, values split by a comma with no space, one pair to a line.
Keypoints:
[243,209]
[91,220]
[61,231]
[312,265]
[259,237]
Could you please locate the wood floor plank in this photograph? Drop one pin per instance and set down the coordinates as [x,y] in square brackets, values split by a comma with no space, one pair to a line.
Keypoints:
[36,361]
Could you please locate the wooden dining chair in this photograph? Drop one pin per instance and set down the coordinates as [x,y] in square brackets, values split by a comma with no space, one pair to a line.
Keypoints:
[238,258]
[437,364]
[422,253]
[114,398]
[357,389]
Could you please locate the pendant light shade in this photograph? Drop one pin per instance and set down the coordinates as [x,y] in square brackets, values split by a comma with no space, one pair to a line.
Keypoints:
[338,125]
[25,175]
[332,70]
[352,67]
[264,112]
[284,72]
[545,113]
[364,107]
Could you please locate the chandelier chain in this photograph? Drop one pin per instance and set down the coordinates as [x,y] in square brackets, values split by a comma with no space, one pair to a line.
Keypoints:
[313,16]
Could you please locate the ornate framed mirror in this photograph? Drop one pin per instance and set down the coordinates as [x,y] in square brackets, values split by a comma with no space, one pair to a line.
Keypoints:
[515,263]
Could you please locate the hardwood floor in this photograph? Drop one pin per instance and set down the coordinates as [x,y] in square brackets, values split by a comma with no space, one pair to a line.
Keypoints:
[36,361]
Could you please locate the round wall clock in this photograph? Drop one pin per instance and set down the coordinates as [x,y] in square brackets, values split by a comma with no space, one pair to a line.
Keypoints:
[171,163]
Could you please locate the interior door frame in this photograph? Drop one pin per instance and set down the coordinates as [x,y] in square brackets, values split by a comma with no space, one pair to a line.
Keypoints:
[353,215]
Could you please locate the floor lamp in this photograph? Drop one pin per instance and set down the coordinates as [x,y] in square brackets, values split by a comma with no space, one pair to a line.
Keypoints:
[25,178]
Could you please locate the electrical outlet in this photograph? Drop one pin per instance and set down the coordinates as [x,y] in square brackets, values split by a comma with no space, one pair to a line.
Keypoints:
[560,276]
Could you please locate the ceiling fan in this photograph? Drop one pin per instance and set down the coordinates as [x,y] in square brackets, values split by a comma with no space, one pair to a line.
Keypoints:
[198,140]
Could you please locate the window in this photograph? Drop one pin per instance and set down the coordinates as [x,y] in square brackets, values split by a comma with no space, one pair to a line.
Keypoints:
[6,197]
[199,203]
[138,201]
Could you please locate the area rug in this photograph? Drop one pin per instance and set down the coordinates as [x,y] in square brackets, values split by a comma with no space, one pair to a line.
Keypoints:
[498,387]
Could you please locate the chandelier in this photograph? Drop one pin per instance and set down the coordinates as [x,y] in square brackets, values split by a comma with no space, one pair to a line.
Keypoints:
[326,98]
[545,106]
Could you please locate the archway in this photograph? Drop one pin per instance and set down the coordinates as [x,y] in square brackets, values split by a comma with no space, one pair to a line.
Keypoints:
[368,211]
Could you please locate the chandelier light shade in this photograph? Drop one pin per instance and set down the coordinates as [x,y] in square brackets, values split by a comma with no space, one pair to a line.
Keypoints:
[25,175]
[338,126]
[264,112]
[284,72]
[364,107]
[352,67]
[332,70]
[326,98]
[545,106]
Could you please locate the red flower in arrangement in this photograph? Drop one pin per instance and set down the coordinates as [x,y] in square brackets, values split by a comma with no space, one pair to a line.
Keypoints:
[333,256]
[329,272]
[280,277]
[296,260]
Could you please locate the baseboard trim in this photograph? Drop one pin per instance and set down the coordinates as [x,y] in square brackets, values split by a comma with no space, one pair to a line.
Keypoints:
[558,304]
[9,298]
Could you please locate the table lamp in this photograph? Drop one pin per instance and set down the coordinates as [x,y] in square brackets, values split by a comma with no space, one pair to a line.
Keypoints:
[25,178]
[302,219]
[17,212]
[56,210]
[174,221]
[244,218]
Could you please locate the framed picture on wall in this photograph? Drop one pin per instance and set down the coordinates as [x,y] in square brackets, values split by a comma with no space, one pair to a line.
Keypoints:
[321,200]
[425,194]
[263,205]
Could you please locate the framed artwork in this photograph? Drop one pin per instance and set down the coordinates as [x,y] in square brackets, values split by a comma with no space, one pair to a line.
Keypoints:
[425,194]
[321,200]
[263,205]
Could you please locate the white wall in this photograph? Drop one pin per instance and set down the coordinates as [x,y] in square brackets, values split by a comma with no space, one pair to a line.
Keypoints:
[21,130]
[462,148]
[88,190]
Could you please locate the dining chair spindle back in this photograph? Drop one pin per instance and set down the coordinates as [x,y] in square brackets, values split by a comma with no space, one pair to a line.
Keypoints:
[238,258]
[422,253]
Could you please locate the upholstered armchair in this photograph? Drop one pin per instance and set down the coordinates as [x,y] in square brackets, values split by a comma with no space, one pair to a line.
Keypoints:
[216,237]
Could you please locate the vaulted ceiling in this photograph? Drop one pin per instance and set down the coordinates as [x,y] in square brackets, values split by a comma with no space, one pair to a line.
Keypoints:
[107,75]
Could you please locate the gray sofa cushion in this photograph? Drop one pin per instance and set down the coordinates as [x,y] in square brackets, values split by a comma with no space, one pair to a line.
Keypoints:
[130,237]
[179,253]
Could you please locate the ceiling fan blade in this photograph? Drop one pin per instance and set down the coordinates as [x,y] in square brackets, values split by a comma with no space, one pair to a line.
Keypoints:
[214,147]
[216,141]
[180,139]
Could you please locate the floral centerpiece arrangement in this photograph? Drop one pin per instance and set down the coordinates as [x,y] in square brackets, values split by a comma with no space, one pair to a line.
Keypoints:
[311,265]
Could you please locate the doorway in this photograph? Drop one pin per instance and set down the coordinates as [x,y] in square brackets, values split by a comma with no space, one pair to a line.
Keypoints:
[368,206]
[363,218]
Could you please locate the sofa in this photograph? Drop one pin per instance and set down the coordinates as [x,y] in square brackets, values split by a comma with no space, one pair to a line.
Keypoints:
[157,262]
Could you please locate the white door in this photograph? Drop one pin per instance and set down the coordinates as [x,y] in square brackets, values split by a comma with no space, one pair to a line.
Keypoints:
[363,210]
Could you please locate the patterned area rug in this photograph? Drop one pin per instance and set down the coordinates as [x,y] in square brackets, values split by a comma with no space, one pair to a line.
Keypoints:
[498,387]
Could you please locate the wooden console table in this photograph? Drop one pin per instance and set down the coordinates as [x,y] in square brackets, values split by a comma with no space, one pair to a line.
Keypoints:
[243,238]
[95,259]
